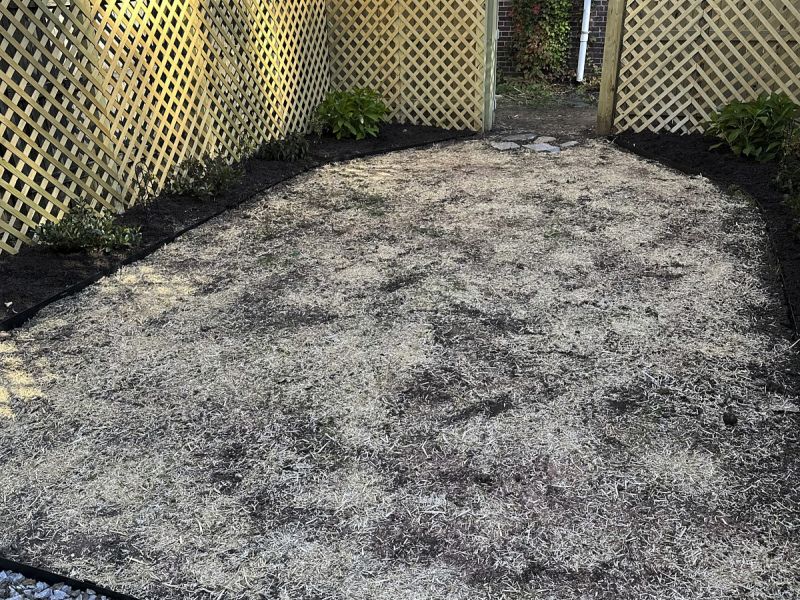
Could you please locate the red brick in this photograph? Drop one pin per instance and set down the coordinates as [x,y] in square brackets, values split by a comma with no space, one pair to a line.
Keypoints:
[597,32]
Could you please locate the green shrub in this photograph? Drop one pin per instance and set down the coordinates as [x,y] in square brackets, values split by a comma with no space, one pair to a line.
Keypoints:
[755,129]
[356,113]
[203,177]
[145,186]
[83,228]
[541,36]
[293,147]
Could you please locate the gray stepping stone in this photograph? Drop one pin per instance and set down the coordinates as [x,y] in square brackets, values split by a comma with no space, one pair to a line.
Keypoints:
[549,148]
[545,139]
[504,146]
[566,145]
[520,137]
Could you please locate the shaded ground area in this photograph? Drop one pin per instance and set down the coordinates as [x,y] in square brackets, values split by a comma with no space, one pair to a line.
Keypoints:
[559,111]
[443,374]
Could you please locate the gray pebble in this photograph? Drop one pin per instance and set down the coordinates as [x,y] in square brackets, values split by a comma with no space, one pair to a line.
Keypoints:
[542,147]
[504,146]
[14,586]
[545,139]
[520,137]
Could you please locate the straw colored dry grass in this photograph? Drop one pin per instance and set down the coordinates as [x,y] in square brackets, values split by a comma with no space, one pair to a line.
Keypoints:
[439,374]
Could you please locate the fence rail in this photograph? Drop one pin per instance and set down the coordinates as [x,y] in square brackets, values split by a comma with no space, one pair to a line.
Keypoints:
[671,64]
[92,90]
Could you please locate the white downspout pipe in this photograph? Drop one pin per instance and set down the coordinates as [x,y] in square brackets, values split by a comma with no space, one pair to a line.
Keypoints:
[587,11]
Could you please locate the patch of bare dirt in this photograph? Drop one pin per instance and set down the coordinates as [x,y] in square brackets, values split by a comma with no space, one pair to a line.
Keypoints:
[566,117]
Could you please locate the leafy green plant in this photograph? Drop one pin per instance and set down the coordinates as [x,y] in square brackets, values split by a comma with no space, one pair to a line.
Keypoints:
[203,177]
[355,113]
[540,30]
[245,148]
[84,228]
[145,187]
[293,147]
[756,129]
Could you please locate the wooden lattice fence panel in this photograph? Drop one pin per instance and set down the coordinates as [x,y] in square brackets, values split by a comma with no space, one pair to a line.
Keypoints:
[427,59]
[56,144]
[91,89]
[681,60]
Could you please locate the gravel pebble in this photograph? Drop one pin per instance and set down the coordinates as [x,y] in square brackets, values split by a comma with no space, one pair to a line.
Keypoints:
[520,137]
[542,147]
[14,586]
[504,146]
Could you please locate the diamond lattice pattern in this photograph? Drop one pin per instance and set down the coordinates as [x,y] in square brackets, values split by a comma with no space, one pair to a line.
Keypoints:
[91,89]
[426,58]
[682,60]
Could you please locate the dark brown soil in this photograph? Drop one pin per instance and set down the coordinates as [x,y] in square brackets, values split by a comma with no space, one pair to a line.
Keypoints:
[691,154]
[35,277]
[566,118]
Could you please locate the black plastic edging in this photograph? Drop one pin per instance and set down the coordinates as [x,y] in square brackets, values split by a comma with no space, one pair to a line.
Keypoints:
[53,579]
[24,316]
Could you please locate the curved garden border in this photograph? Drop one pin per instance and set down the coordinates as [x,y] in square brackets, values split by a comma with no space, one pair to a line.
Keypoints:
[691,154]
[260,176]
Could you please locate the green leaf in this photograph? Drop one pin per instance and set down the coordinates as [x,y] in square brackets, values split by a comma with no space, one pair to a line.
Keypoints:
[353,113]
[757,129]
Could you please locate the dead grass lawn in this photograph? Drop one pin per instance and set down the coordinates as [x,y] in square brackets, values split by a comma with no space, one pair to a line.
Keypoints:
[439,374]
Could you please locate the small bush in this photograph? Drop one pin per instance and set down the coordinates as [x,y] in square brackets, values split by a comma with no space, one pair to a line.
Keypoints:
[293,147]
[145,186]
[755,129]
[83,228]
[203,177]
[541,36]
[355,113]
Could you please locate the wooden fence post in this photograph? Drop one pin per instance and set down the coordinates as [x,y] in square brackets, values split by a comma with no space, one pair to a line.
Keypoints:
[490,73]
[615,31]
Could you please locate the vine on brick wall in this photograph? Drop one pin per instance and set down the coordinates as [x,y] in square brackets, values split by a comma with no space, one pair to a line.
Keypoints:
[541,35]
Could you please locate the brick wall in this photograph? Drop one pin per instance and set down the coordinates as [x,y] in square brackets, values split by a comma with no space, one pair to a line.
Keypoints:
[505,49]
[597,33]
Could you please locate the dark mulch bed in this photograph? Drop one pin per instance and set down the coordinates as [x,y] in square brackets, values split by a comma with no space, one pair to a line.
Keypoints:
[691,154]
[36,277]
